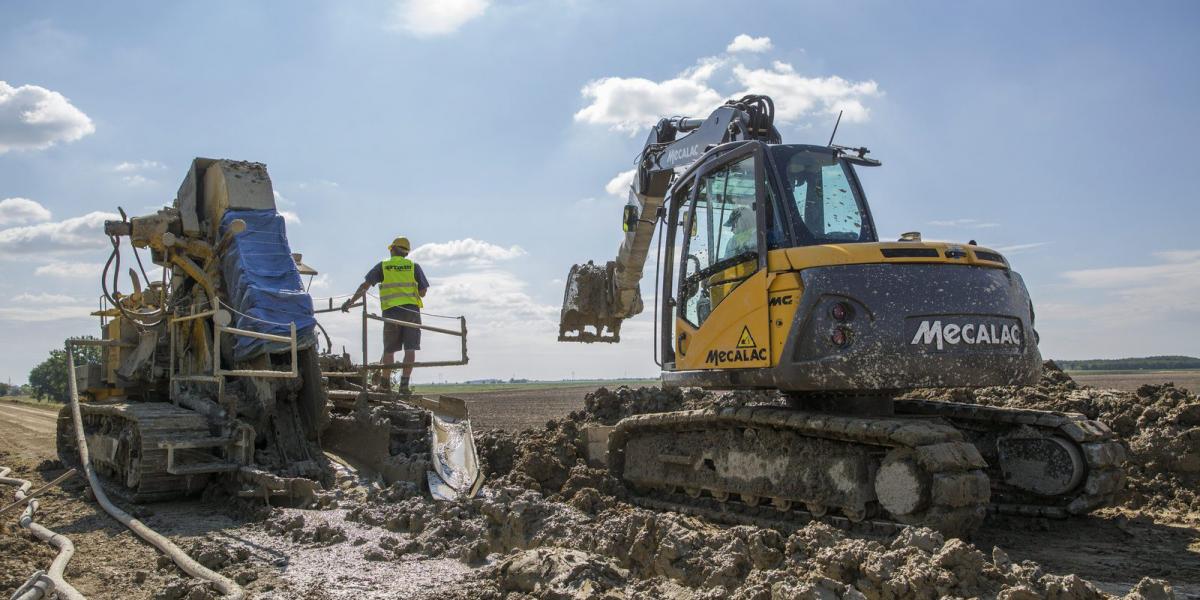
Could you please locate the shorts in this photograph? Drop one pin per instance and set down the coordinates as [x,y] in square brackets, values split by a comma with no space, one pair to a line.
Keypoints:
[399,337]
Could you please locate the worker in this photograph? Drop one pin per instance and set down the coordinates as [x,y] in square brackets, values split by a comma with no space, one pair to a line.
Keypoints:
[745,232]
[402,284]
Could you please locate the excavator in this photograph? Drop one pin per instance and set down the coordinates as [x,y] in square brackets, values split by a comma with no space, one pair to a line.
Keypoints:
[770,275]
[211,372]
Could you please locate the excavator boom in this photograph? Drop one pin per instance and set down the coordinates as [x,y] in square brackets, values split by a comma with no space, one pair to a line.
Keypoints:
[601,297]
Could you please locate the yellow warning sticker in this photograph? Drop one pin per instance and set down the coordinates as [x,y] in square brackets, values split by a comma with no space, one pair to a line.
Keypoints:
[746,340]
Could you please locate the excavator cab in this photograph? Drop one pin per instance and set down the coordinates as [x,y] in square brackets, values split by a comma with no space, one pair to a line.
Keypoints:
[729,213]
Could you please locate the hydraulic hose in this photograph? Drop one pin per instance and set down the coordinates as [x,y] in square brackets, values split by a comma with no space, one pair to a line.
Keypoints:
[226,586]
[38,588]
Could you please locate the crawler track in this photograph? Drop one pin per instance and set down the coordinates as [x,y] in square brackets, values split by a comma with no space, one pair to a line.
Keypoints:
[1097,453]
[123,441]
[909,471]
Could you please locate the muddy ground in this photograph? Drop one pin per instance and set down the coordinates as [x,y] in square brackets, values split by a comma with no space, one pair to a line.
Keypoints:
[550,527]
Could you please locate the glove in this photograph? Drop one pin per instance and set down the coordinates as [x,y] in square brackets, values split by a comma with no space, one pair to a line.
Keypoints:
[346,305]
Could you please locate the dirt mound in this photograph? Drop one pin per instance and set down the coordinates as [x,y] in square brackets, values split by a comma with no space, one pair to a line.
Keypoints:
[1159,424]
[548,549]
[606,407]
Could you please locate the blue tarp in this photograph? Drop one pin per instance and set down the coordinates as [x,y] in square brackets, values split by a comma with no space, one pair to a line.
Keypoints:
[264,285]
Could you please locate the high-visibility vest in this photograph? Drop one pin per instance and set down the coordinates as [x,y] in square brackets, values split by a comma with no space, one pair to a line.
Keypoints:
[399,286]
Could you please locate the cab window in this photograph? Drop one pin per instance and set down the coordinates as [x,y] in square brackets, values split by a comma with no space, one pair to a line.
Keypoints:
[826,202]
[721,232]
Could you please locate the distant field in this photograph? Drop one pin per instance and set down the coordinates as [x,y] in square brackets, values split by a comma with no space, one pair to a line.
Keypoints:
[1188,379]
[457,388]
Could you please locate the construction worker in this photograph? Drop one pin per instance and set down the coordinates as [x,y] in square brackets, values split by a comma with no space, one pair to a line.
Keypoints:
[402,284]
[745,233]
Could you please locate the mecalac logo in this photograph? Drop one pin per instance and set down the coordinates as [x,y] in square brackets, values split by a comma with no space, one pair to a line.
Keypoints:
[678,154]
[976,334]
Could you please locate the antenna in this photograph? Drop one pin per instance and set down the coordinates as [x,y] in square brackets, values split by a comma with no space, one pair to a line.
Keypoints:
[835,126]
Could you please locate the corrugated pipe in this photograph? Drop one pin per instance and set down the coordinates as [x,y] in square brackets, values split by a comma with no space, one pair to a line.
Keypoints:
[53,581]
[226,586]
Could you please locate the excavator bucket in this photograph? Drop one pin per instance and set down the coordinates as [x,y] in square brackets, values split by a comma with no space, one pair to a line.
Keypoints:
[587,302]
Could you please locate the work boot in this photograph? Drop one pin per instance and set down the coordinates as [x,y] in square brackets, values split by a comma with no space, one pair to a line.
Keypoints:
[405,390]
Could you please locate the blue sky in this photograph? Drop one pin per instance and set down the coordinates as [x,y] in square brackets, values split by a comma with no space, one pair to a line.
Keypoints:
[489,130]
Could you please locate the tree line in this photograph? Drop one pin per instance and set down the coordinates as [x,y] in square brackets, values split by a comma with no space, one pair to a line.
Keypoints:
[1147,363]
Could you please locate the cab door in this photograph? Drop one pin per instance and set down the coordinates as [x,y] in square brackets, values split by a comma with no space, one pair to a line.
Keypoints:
[721,318]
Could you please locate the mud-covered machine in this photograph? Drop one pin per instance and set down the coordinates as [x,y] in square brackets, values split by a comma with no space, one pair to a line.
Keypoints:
[771,275]
[213,371]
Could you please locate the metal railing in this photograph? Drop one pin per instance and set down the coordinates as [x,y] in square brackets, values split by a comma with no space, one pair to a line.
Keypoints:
[365,369]
[220,319]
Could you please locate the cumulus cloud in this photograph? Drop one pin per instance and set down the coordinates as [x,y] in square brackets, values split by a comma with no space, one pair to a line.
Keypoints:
[34,118]
[745,43]
[68,270]
[466,252]
[55,237]
[630,104]
[797,96]
[290,217]
[20,211]
[619,185]
[497,299]
[431,18]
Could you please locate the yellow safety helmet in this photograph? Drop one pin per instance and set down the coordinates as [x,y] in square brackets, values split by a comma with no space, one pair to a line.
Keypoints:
[400,242]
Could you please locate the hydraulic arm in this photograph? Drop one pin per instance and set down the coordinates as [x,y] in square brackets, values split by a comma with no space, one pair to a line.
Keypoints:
[602,297]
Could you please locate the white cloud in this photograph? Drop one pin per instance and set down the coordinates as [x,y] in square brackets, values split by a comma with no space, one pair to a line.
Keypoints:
[43,298]
[964,223]
[34,118]
[56,237]
[53,312]
[631,104]
[619,185]
[430,18]
[20,211]
[136,180]
[138,165]
[1018,248]
[69,270]
[797,96]
[40,307]
[284,206]
[497,300]
[1176,268]
[745,43]
[466,252]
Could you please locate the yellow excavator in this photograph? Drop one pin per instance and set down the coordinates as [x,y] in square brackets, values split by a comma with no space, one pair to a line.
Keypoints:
[771,275]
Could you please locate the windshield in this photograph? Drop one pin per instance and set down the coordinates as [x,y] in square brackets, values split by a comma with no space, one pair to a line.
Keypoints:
[828,207]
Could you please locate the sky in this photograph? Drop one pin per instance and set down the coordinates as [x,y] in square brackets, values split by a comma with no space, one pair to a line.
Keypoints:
[498,136]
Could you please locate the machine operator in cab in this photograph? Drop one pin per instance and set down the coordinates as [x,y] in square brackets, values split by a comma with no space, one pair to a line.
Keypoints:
[402,284]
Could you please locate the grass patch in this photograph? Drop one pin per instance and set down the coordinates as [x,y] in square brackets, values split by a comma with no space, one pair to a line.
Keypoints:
[31,401]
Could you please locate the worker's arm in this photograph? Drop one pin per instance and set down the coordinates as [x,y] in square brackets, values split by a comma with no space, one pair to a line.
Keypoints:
[358,294]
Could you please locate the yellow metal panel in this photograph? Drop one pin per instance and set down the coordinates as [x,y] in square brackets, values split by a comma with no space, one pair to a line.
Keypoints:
[735,335]
[804,257]
[783,297]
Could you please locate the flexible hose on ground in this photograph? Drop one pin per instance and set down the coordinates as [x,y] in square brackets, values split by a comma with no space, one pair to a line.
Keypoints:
[226,586]
[38,587]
